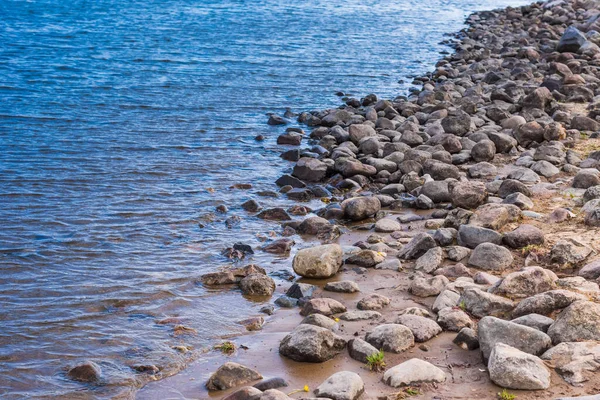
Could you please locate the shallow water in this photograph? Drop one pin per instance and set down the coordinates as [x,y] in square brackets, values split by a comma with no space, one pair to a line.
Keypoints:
[116,117]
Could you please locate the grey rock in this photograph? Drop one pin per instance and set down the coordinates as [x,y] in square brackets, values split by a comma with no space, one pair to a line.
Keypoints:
[426,287]
[468,195]
[359,315]
[323,306]
[466,339]
[525,235]
[344,385]
[418,246]
[527,282]
[373,302]
[87,371]
[431,260]
[547,302]
[446,298]
[457,253]
[309,343]
[514,369]
[413,372]
[231,375]
[365,258]
[359,208]
[454,319]
[319,261]
[481,304]
[320,320]
[422,328]
[310,169]
[472,236]
[575,362]
[578,322]
[394,338]
[535,321]
[360,350]
[257,285]
[299,290]
[490,257]
[342,287]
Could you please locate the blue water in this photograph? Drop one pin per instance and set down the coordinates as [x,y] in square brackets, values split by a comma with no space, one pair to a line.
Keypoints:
[123,123]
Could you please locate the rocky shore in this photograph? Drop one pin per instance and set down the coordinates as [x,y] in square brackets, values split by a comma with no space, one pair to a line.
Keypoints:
[458,253]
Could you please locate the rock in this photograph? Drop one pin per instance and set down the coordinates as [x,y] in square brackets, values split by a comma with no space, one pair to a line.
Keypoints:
[342,287]
[490,257]
[312,225]
[591,271]
[418,246]
[493,330]
[273,394]
[422,328]
[418,311]
[483,278]
[535,321]
[578,322]
[586,179]
[310,169]
[365,258]
[286,302]
[495,216]
[539,98]
[468,194]
[391,264]
[458,124]
[319,320]
[359,315]
[425,287]
[344,385]
[513,369]
[472,236]
[360,350]
[323,306]
[431,260]
[231,375]
[290,138]
[547,302]
[504,143]
[387,225]
[359,208]
[454,271]
[373,302]
[257,285]
[436,191]
[457,253]
[482,170]
[454,319]
[272,383]
[447,298]
[510,186]
[567,254]
[281,246]
[251,206]
[527,282]
[457,217]
[481,304]
[413,372]
[529,133]
[575,362]
[245,393]
[274,214]
[88,371]
[391,337]
[571,40]
[445,236]
[466,339]
[439,170]
[319,261]
[310,343]
[299,290]
[484,150]
[360,131]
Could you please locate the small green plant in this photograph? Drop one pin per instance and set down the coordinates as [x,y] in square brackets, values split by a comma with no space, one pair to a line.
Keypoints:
[226,347]
[462,305]
[505,395]
[375,361]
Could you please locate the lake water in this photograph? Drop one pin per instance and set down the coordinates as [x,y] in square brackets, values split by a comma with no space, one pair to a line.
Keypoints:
[123,123]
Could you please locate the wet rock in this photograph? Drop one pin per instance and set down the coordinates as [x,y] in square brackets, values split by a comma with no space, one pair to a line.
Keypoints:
[472,236]
[87,371]
[493,330]
[413,372]
[525,283]
[387,225]
[318,262]
[373,302]
[359,315]
[344,385]
[319,320]
[245,393]
[481,304]
[430,261]
[275,119]
[391,337]
[274,214]
[422,328]
[323,306]
[454,319]
[251,206]
[288,180]
[535,321]
[310,169]
[281,246]
[300,290]
[426,287]
[310,343]
[578,322]
[466,339]
[490,257]
[365,258]
[514,369]
[458,124]
[290,138]
[418,246]
[272,383]
[360,350]
[575,362]
[547,302]
[342,287]
[286,302]
[359,208]
[257,285]
[231,375]
[360,131]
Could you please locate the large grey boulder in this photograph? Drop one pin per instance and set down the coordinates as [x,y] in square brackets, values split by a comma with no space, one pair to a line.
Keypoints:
[575,362]
[319,261]
[472,236]
[527,282]
[324,306]
[257,285]
[394,338]
[547,302]
[422,328]
[359,208]
[524,235]
[413,372]
[536,321]
[578,322]
[231,375]
[430,261]
[344,385]
[513,369]
[428,286]
[310,343]
[468,195]
[310,169]
[481,304]
[493,330]
[490,257]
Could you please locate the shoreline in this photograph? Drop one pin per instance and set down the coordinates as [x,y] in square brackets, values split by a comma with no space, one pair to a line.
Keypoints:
[515,101]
